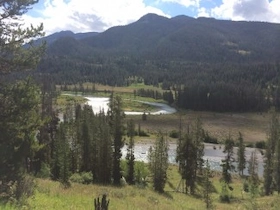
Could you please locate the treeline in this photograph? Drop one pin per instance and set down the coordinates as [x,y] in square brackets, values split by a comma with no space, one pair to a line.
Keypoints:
[198,86]
[155,94]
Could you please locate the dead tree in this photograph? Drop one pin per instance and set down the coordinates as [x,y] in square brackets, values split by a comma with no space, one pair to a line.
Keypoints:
[103,205]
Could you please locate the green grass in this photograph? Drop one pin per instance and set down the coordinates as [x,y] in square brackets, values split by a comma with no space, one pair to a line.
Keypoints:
[51,195]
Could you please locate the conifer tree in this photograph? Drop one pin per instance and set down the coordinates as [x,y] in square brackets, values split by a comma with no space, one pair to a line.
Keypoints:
[207,186]
[19,109]
[130,151]
[227,163]
[61,162]
[116,120]
[13,35]
[253,174]
[20,121]
[241,155]
[273,138]
[104,151]
[158,162]
[190,151]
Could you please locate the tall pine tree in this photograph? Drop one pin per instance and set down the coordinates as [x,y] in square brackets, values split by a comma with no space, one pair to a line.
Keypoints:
[158,162]
[116,121]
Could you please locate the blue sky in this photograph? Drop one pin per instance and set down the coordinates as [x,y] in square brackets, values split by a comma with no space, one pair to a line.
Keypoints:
[99,15]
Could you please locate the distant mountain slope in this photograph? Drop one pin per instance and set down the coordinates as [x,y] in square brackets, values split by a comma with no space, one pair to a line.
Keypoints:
[182,38]
[54,37]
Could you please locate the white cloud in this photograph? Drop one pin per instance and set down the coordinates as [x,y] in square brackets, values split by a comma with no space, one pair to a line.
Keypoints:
[89,15]
[251,10]
[202,12]
[186,3]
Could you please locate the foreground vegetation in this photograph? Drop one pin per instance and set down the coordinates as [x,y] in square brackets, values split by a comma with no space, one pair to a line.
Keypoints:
[52,195]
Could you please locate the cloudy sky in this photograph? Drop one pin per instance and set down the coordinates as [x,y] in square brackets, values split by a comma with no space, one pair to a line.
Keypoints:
[99,15]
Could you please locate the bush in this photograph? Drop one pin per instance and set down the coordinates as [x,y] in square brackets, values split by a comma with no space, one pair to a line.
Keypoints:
[210,139]
[174,134]
[224,196]
[143,133]
[141,173]
[246,186]
[77,178]
[82,178]
[25,188]
[45,171]
[260,145]
[87,177]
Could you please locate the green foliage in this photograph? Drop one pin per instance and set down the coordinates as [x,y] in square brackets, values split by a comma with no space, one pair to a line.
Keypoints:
[116,116]
[207,186]
[45,171]
[174,134]
[141,172]
[227,162]
[190,150]
[270,162]
[158,162]
[241,155]
[261,144]
[225,195]
[82,178]
[20,121]
[210,139]
[130,152]
[13,36]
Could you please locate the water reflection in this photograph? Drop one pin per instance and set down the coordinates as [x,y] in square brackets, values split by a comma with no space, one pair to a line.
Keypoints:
[214,154]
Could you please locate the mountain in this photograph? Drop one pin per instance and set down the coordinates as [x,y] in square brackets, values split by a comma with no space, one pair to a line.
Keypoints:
[54,37]
[182,38]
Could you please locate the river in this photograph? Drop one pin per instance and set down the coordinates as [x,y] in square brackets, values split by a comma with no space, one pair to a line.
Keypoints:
[98,103]
[214,153]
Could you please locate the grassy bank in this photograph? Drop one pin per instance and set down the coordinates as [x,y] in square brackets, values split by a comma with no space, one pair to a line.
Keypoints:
[253,126]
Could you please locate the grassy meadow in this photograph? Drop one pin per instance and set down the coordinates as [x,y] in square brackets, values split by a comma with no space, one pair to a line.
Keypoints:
[51,195]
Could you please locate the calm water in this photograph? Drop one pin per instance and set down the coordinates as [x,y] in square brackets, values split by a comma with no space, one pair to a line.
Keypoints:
[98,104]
[214,156]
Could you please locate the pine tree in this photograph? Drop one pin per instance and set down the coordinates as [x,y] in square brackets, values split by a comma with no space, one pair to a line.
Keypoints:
[13,35]
[116,116]
[130,151]
[207,186]
[18,104]
[158,162]
[20,121]
[61,162]
[253,173]
[227,163]
[104,151]
[190,151]
[241,155]
[273,137]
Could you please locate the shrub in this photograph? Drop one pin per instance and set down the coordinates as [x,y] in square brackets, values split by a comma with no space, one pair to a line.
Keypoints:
[77,178]
[143,133]
[87,177]
[224,196]
[210,139]
[246,186]
[24,188]
[45,171]
[82,178]
[174,134]
[260,144]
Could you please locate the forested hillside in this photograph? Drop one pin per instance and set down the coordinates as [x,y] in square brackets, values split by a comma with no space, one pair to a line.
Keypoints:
[210,64]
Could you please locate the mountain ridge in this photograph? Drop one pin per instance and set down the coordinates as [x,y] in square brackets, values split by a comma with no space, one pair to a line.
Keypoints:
[183,38]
